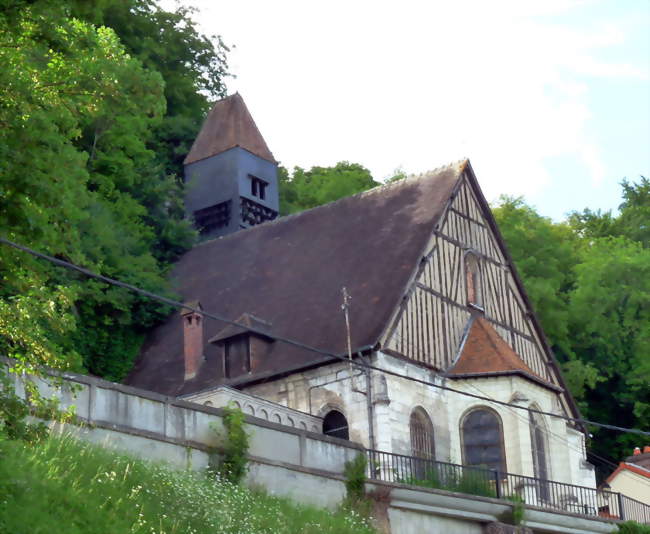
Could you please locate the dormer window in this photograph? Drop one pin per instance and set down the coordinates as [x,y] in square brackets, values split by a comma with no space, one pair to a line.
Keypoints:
[237,356]
[473,280]
[258,187]
[242,350]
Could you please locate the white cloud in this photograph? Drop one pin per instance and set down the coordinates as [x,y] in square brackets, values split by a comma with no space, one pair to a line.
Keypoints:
[419,84]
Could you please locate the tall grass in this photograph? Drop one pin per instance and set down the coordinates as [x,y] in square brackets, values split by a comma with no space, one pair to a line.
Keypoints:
[467,480]
[64,486]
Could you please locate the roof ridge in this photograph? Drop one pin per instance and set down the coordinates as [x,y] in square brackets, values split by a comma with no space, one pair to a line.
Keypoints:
[460,164]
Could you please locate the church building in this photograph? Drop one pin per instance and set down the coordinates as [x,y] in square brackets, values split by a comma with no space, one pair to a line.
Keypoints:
[412,278]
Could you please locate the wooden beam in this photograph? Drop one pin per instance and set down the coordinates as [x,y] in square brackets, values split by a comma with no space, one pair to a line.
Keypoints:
[451,302]
[464,246]
[467,217]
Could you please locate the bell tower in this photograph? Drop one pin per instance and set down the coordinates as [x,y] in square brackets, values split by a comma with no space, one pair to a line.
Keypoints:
[230,174]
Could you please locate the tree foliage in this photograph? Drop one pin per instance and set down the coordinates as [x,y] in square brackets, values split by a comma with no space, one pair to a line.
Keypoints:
[307,189]
[88,170]
[589,281]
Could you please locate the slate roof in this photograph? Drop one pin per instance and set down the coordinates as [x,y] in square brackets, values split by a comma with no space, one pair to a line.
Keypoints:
[289,274]
[485,353]
[229,124]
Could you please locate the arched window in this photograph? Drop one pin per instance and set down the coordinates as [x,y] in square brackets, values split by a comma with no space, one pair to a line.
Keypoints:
[422,443]
[336,425]
[482,438]
[538,444]
[473,280]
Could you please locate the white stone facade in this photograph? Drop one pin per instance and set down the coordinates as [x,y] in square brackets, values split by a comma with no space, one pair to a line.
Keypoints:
[257,407]
[393,399]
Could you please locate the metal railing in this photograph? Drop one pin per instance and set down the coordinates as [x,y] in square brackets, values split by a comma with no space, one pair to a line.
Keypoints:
[398,468]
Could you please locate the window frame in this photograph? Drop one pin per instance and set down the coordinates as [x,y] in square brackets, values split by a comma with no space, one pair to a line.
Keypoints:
[428,432]
[247,361]
[501,443]
[258,187]
[473,279]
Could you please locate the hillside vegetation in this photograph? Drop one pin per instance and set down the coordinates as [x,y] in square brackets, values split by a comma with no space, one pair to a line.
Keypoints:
[62,485]
[100,102]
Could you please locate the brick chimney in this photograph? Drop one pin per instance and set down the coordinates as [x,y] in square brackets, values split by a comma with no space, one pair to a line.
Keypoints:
[192,339]
[646,449]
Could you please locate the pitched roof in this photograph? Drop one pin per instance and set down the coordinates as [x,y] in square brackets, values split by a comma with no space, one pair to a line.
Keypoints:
[485,353]
[625,466]
[290,272]
[245,320]
[229,124]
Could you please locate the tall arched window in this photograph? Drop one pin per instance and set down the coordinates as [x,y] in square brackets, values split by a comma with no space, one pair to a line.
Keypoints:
[538,444]
[473,280]
[422,443]
[482,438]
[336,425]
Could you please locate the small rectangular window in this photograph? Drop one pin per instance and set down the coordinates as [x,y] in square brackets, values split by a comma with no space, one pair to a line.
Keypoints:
[237,356]
[258,187]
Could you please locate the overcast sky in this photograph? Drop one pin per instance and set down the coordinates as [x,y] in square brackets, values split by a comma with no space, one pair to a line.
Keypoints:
[548,99]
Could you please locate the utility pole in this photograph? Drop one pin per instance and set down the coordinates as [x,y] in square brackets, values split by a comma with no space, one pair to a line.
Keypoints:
[346,312]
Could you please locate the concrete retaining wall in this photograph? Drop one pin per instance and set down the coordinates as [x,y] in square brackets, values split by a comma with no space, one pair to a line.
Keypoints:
[299,464]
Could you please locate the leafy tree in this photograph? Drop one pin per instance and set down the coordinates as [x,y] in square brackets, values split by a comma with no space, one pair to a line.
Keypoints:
[588,281]
[320,185]
[545,254]
[193,66]
[632,222]
[609,314]
[84,176]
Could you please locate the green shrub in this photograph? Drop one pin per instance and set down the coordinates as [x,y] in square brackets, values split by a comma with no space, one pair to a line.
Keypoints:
[355,477]
[234,445]
[632,527]
[474,482]
[15,411]
[430,479]
[356,501]
[469,481]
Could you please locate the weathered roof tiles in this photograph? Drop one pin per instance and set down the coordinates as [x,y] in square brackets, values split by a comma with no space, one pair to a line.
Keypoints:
[229,124]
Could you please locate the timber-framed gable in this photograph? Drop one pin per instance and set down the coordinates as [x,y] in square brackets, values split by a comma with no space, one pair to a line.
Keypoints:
[440,303]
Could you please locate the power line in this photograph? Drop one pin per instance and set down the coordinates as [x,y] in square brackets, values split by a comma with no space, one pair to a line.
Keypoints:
[171,302]
[548,432]
[563,439]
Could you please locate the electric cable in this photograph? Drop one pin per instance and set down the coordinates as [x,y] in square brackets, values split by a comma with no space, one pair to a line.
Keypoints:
[357,363]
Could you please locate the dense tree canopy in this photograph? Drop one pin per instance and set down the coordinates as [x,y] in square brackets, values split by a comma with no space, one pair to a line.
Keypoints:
[93,121]
[589,281]
[99,103]
[320,185]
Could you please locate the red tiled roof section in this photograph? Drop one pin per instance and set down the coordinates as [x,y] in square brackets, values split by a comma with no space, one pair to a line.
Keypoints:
[629,467]
[486,353]
[229,124]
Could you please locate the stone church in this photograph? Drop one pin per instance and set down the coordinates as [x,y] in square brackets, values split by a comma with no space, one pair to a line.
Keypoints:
[411,277]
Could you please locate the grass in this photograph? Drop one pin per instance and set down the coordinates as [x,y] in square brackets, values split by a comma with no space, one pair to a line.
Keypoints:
[62,485]
[469,481]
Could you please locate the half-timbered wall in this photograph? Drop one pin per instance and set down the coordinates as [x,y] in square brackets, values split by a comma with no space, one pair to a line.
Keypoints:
[435,314]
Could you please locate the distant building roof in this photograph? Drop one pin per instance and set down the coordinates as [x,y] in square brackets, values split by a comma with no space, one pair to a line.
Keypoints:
[229,124]
[290,273]
[634,468]
[485,353]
